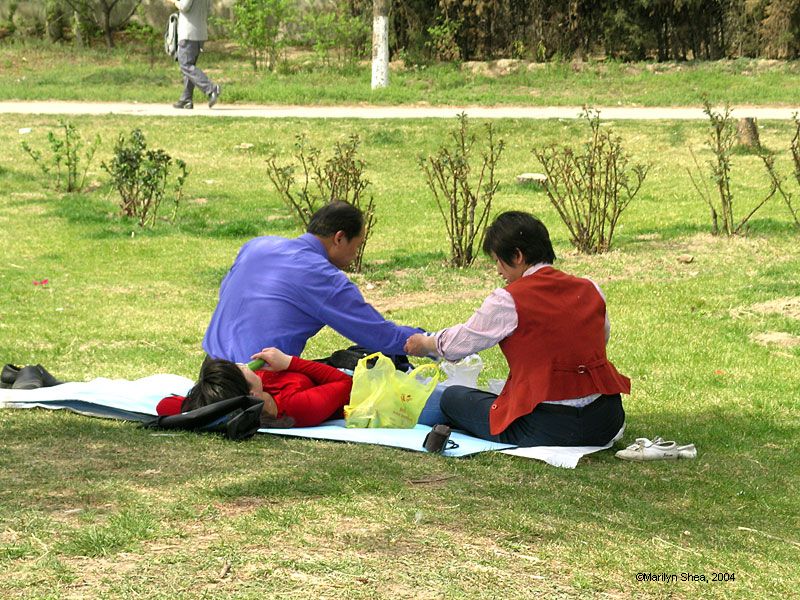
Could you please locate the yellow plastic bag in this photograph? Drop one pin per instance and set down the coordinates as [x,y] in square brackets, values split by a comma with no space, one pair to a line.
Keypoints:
[385,397]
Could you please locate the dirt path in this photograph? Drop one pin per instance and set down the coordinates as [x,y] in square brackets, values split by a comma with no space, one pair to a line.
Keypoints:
[381,112]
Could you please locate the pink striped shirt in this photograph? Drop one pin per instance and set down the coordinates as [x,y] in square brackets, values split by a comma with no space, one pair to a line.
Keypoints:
[494,321]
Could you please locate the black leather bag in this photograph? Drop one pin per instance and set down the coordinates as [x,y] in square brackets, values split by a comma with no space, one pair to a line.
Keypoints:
[348,359]
[236,418]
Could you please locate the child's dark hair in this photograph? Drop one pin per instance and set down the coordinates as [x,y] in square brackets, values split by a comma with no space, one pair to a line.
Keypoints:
[219,380]
[515,230]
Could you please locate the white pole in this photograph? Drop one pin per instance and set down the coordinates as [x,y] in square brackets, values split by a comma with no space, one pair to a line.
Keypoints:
[380,44]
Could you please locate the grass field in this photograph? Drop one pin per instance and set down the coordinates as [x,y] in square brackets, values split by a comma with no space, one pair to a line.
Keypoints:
[36,71]
[100,509]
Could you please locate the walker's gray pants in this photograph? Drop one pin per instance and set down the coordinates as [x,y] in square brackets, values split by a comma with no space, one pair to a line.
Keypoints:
[188,53]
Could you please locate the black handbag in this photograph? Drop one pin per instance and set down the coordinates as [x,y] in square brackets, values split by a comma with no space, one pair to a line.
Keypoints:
[236,418]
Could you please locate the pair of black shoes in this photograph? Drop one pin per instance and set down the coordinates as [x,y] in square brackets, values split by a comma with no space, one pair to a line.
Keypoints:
[26,378]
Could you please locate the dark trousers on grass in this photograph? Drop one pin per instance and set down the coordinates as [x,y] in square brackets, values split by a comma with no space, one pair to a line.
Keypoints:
[548,425]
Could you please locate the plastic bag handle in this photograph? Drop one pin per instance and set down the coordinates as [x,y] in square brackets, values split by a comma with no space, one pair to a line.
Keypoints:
[370,357]
[416,370]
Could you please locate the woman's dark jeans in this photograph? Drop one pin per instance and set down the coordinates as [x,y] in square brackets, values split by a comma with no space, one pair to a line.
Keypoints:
[548,425]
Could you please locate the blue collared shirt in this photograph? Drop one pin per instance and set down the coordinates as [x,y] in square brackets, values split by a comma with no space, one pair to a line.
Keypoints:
[280,292]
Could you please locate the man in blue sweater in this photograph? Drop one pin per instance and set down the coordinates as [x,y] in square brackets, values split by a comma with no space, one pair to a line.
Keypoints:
[280,292]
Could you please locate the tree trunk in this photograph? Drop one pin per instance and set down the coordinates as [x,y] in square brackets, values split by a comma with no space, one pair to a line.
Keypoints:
[747,133]
[107,31]
[380,44]
[77,29]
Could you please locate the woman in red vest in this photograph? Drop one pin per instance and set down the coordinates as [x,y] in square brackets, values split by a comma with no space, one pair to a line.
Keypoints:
[552,328]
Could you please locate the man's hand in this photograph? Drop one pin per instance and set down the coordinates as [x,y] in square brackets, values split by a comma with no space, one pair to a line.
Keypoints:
[275,359]
[420,345]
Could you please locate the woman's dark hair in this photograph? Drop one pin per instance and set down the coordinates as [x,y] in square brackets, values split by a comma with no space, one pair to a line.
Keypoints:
[336,216]
[515,230]
[219,380]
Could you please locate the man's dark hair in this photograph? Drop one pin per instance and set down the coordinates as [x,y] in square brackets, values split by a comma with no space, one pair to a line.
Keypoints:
[336,216]
[219,380]
[515,230]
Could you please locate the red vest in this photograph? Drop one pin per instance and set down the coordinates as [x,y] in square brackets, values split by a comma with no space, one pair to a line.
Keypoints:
[558,350]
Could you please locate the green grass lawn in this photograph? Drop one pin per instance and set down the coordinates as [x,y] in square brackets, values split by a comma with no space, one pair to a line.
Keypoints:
[101,509]
[38,71]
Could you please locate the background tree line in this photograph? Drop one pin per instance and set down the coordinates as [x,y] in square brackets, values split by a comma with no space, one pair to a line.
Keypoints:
[425,30]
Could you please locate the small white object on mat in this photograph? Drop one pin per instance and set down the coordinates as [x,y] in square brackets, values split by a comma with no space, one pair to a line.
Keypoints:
[566,457]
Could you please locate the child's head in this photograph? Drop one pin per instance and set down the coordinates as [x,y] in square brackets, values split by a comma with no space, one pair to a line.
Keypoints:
[219,380]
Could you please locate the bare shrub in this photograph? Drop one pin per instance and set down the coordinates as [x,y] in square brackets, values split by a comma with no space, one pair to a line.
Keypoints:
[592,186]
[464,201]
[778,181]
[722,136]
[339,178]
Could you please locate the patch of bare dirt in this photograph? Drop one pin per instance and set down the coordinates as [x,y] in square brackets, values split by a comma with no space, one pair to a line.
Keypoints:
[788,307]
[776,338]
[427,298]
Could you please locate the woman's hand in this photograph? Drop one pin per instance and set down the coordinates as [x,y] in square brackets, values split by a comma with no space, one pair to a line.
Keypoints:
[275,359]
[420,345]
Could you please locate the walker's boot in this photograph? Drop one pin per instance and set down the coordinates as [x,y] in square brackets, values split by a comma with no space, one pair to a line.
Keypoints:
[214,96]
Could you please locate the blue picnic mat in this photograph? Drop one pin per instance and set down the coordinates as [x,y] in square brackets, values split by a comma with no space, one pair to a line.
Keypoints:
[136,401]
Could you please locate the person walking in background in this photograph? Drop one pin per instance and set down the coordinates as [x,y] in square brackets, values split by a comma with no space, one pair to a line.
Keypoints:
[192,34]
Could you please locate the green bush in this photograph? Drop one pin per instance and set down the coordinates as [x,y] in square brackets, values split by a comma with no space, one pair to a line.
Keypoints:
[141,176]
[257,26]
[327,31]
[64,162]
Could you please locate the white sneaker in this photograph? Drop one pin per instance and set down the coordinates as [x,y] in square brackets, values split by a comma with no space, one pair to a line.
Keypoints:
[657,449]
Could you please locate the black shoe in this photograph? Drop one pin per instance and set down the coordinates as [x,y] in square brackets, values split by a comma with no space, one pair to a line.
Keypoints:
[214,96]
[9,375]
[29,378]
[47,379]
[183,104]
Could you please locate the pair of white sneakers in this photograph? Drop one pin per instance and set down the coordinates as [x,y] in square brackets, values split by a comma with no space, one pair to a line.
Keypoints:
[657,449]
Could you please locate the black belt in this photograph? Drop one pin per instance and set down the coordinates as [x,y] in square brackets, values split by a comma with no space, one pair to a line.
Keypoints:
[565,409]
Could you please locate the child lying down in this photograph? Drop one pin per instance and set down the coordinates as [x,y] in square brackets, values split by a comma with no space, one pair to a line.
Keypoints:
[296,392]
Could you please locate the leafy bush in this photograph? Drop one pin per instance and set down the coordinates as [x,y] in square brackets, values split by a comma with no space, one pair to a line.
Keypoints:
[326,31]
[257,26]
[141,176]
[722,135]
[443,44]
[64,163]
[590,188]
[463,202]
[339,178]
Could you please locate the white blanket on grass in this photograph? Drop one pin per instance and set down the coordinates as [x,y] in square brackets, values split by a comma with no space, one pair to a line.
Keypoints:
[142,395]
